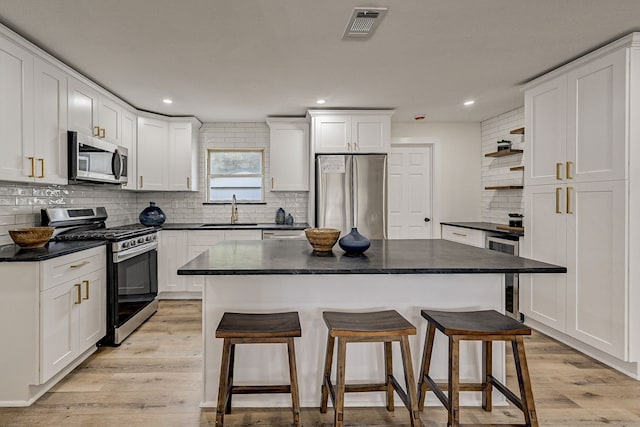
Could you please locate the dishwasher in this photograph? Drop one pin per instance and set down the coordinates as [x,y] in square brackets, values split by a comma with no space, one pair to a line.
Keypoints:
[509,245]
[283,235]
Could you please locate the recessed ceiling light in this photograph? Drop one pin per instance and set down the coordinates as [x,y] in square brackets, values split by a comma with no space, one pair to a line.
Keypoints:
[321,101]
[470,102]
[167,101]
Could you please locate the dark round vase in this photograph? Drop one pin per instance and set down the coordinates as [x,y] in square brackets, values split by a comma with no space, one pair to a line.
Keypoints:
[354,243]
[152,215]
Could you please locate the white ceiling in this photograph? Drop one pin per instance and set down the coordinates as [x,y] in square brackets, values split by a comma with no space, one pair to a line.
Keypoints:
[241,60]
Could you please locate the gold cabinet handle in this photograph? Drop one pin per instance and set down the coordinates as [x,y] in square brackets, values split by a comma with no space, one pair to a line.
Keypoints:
[86,289]
[188,183]
[558,190]
[79,294]
[33,167]
[82,264]
[558,171]
[568,170]
[103,132]
[273,183]
[42,168]
[459,234]
[141,181]
[569,190]
[97,131]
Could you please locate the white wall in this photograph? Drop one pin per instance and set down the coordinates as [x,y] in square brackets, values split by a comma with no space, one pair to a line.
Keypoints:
[459,169]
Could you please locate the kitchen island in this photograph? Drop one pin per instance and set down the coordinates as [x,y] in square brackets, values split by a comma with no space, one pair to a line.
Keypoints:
[405,275]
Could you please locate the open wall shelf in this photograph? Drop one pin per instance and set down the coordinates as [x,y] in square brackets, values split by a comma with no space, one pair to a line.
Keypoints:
[505,187]
[503,153]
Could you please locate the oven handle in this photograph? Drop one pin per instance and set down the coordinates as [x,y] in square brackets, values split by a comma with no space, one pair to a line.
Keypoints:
[134,252]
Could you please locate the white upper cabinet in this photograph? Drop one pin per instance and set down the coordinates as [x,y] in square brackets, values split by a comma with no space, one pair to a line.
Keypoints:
[153,154]
[183,157]
[575,123]
[167,154]
[353,131]
[92,113]
[16,113]
[289,154]
[129,140]
[50,120]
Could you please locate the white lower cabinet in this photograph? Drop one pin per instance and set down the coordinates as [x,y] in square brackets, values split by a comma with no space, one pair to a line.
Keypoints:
[52,313]
[177,247]
[581,226]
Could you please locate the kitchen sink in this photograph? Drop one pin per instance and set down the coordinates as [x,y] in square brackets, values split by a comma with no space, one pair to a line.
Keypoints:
[228,224]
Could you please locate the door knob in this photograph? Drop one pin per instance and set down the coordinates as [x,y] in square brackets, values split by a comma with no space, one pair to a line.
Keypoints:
[427,219]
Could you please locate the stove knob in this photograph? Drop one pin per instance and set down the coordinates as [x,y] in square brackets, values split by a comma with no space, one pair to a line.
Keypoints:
[154,237]
[125,245]
[141,240]
[132,243]
[148,238]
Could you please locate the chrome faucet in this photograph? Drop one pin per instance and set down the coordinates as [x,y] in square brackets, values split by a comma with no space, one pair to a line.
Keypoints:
[234,211]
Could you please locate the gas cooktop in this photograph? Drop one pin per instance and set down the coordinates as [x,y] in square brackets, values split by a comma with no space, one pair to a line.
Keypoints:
[113,233]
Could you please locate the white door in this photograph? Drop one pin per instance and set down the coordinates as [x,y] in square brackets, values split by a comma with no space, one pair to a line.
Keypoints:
[410,190]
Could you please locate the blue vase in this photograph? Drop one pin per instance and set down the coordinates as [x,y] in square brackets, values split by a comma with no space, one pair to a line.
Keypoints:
[152,215]
[280,216]
[354,243]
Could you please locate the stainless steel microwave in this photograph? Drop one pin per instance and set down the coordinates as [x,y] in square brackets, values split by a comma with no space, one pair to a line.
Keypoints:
[95,160]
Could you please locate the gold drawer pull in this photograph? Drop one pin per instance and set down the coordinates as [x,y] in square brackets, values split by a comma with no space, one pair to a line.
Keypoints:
[82,264]
[558,190]
[33,167]
[568,170]
[97,131]
[42,164]
[569,190]
[558,171]
[103,131]
[86,288]
[460,234]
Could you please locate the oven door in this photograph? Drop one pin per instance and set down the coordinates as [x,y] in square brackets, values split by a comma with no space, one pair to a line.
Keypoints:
[135,275]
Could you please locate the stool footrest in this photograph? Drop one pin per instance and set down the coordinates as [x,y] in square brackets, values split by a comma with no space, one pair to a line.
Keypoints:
[437,390]
[363,388]
[506,392]
[260,389]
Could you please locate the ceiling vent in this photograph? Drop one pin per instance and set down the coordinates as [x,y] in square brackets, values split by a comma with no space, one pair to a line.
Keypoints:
[363,22]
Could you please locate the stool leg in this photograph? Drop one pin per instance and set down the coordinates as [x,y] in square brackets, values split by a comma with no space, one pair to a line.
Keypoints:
[340,383]
[526,392]
[423,386]
[326,376]
[409,381]
[388,372]
[487,370]
[454,382]
[232,360]
[224,387]
[293,378]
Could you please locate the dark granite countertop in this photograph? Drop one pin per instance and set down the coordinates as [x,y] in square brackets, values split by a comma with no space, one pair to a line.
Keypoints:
[383,257]
[13,253]
[240,226]
[484,226]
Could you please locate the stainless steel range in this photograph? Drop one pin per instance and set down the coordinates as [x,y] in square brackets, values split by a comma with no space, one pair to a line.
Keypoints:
[132,265]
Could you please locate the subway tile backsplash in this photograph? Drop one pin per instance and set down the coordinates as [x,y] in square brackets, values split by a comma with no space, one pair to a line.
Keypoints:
[497,204]
[20,203]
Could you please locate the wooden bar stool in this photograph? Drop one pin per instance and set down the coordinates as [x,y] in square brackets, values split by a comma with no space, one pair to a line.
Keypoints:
[381,326]
[485,326]
[240,328]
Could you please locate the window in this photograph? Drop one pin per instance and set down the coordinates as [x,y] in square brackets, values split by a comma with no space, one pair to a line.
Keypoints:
[239,172]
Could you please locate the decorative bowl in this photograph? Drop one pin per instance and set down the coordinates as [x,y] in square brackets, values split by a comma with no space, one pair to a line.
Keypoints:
[31,237]
[322,239]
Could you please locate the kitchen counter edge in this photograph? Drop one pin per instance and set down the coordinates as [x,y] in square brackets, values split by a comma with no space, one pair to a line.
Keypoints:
[484,226]
[260,226]
[14,253]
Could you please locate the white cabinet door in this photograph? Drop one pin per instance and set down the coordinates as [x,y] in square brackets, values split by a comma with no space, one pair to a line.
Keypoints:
[153,154]
[543,296]
[93,309]
[597,114]
[596,278]
[198,242]
[332,134]
[130,141]
[370,134]
[50,123]
[180,149]
[546,132]
[16,113]
[110,120]
[289,154]
[59,308]
[83,108]
[172,254]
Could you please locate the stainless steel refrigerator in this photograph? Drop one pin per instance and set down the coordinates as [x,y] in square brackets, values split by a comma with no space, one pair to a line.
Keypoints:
[351,190]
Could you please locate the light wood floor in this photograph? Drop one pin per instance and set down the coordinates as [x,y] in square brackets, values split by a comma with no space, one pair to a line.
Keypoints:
[154,379]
